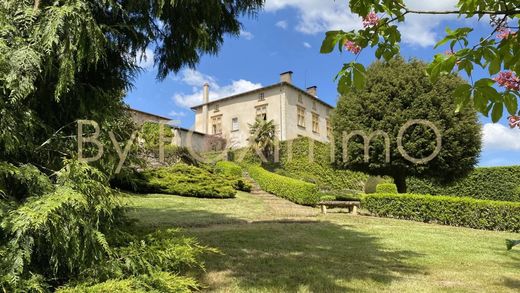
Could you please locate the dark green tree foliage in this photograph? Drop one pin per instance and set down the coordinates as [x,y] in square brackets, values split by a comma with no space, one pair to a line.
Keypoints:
[66,60]
[396,92]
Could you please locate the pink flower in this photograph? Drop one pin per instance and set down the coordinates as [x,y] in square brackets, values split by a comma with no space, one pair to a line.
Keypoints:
[508,80]
[505,33]
[370,20]
[514,121]
[352,47]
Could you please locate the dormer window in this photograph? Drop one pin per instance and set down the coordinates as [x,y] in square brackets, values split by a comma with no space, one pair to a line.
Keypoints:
[217,107]
[261,97]
[300,99]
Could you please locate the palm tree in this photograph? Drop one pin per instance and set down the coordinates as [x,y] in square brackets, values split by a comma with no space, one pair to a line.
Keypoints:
[263,137]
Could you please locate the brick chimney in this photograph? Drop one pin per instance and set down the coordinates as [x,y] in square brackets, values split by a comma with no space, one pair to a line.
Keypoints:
[313,90]
[286,76]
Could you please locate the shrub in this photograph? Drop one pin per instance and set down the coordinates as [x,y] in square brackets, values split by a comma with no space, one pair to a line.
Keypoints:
[185,180]
[73,232]
[228,169]
[294,190]
[386,188]
[447,210]
[327,198]
[493,183]
[233,173]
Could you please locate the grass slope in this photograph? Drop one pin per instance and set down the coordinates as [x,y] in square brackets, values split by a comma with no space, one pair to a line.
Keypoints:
[332,253]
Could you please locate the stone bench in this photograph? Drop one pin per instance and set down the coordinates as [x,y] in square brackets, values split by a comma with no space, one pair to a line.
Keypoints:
[352,206]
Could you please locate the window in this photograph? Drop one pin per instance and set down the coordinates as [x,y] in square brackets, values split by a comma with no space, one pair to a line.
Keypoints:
[300,99]
[314,105]
[216,124]
[261,112]
[329,129]
[315,123]
[217,107]
[261,97]
[234,124]
[301,116]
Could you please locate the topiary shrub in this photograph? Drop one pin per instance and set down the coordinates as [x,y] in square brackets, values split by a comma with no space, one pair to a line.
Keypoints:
[386,188]
[446,210]
[294,190]
[493,183]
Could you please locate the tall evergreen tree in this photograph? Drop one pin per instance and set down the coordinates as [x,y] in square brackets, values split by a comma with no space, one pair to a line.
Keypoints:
[396,92]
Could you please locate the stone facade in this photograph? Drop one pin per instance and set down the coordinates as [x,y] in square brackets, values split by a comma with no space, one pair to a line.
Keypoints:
[295,112]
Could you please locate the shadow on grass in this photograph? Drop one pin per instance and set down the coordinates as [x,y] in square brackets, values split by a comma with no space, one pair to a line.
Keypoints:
[276,256]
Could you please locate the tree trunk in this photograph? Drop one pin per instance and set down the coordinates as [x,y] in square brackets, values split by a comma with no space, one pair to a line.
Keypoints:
[400,182]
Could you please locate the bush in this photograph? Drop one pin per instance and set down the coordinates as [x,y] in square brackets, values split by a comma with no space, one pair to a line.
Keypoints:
[73,232]
[233,173]
[228,169]
[493,183]
[447,210]
[386,188]
[294,190]
[184,180]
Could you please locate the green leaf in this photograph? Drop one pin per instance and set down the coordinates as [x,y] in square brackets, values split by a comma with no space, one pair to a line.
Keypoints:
[496,114]
[462,96]
[331,38]
[494,66]
[511,103]
[359,75]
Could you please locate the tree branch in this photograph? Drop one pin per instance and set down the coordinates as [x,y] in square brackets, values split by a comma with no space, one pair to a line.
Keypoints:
[36,4]
[489,12]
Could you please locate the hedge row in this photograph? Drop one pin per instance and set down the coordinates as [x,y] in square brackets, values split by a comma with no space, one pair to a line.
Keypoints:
[319,170]
[447,210]
[292,189]
[493,183]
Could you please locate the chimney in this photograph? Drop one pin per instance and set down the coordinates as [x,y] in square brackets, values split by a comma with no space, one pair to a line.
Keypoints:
[205,94]
[286,76]
[313,90]
[205,101]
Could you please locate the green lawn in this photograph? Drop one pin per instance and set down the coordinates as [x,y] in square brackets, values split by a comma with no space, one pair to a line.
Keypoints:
[337,252]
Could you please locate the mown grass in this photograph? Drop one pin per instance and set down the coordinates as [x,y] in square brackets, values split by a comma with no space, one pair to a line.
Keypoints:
[332,253]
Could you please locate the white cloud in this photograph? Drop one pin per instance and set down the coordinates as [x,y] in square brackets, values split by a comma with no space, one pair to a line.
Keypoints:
[246,35]
[216,90]
[307,45]
[317,16]
[177,114]
[499,137]
[145,59]
[282,24]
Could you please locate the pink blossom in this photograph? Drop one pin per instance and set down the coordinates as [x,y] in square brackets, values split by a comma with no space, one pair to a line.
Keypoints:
[508,80]
[505,33]
[514,121]
[352,47]
[370,20]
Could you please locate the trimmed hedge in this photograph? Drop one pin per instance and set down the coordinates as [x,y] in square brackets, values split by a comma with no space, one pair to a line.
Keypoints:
[292,189]
[447,210]
[181,179]
[386,188]
[493,183]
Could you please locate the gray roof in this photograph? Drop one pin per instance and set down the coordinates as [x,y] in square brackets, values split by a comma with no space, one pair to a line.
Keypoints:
[265,88]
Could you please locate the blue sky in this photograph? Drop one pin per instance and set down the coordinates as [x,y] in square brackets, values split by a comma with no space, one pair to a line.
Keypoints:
[287,36]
